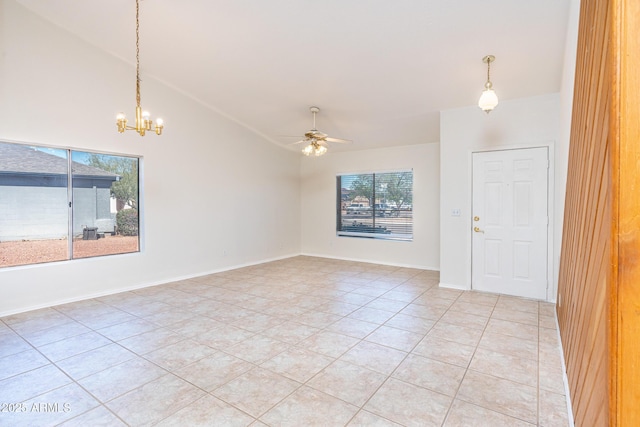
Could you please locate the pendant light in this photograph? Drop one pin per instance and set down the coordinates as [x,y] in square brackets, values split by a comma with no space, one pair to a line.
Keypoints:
[488,100]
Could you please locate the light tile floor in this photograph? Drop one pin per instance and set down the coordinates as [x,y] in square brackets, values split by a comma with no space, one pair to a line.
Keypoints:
[298,342]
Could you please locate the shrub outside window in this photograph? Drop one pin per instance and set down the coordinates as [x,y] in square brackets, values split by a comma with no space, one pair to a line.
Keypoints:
[58,204]
[375,205]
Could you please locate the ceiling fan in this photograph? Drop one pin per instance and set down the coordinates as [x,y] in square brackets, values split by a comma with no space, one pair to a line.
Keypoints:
[317,140]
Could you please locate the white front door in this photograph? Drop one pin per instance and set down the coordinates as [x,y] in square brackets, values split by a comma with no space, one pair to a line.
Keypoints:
[509,222]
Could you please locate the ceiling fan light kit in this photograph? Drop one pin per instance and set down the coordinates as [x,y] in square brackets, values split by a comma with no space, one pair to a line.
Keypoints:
[314,148]
[143,118]
[488,100]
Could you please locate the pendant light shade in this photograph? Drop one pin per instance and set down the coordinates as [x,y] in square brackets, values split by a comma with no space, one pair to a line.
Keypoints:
[488,100]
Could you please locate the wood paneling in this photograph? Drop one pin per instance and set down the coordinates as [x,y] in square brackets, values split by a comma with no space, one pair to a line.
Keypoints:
[625,235]
[599,284]
[584,267]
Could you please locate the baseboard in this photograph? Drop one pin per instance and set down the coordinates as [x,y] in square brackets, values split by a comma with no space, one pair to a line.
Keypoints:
[450,286]
[369,261]
[565,379]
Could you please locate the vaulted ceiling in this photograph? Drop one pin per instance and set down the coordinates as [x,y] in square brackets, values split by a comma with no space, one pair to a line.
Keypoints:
[379,70]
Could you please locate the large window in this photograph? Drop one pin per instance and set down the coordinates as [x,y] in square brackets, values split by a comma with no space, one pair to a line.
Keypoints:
[58,204]
[376,205]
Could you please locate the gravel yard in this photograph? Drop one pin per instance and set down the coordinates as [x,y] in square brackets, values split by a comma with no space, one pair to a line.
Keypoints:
[36,251]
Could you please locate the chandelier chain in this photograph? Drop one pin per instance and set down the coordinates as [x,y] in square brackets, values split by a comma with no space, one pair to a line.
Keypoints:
[138,53]
[489,70]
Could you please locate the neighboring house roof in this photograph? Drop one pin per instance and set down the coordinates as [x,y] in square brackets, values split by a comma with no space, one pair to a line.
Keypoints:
[23,159]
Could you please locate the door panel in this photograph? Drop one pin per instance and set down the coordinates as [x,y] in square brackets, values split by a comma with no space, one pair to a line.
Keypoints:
[509,253]
[492,258]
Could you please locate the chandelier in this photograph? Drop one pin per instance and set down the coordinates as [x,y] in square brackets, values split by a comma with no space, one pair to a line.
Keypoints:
[143,118]
[314,148]
[488,100]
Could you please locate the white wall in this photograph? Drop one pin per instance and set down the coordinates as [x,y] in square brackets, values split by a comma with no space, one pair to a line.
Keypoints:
[210,186]
[515,123]
[319,206]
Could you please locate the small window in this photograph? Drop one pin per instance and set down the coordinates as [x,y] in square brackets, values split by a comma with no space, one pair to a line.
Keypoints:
[378,205]
[58,204]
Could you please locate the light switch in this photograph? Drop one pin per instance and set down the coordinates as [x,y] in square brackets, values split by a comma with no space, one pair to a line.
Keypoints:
[455,212]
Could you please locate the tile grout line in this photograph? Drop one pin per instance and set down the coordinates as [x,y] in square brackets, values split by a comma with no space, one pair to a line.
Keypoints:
[72,381]
[455,396]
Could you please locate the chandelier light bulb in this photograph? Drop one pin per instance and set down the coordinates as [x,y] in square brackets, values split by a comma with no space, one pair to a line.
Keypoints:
[159,126]
[121,122]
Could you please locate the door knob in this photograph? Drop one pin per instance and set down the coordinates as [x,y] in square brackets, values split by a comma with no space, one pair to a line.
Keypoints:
[477,230]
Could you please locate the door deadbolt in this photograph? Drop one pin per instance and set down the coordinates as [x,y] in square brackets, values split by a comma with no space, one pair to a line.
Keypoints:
[476,218]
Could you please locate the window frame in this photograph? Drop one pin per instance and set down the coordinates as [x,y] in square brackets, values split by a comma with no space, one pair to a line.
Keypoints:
[407,237]
[73,178]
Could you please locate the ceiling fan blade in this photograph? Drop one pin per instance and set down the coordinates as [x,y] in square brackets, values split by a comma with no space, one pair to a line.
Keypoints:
[338,140]
[299,142]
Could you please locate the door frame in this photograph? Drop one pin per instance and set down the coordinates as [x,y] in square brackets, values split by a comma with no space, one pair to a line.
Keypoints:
[551,265]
